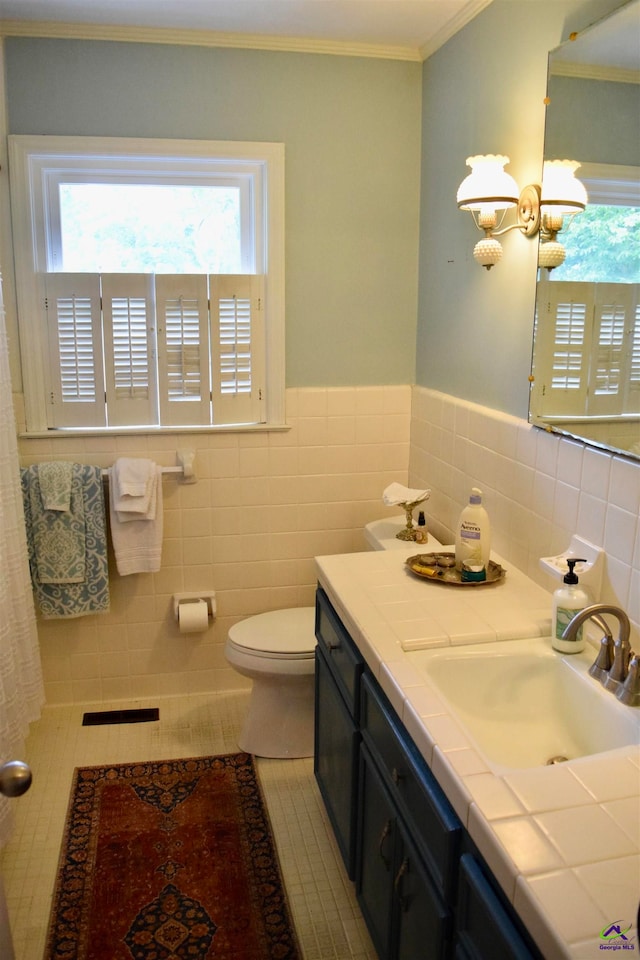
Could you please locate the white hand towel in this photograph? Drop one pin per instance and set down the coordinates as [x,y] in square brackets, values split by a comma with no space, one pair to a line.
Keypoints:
[395,494]
[137,542]
[133,482]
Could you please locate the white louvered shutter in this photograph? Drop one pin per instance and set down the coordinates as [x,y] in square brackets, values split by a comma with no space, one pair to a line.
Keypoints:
[612,309]
[183,349]
[562,364]
[76,387]
[632,397]
[130,349]
[237,348]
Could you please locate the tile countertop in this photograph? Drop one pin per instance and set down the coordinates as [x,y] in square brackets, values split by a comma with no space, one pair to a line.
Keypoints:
[563,841]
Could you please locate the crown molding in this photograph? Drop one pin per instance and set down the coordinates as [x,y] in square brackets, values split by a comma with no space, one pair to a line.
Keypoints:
[591,71]
[206,38]
[468,12]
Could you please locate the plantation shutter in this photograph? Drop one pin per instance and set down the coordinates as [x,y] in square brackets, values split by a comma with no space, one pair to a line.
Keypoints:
[237,348]
[130,349]
[632,398]
[75,370]
[183,349]
[612,309]
[562,365]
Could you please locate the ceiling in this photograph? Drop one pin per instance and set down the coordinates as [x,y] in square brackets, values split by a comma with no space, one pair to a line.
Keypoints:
[411,28]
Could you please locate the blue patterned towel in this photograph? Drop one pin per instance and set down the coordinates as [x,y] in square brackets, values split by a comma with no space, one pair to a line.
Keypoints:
[65,597]
[58,534]
[55,484]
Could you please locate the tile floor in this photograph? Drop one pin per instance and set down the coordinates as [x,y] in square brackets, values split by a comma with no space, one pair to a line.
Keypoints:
[322,899]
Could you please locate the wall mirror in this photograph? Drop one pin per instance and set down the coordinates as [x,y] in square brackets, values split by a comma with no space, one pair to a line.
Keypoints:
[586,344]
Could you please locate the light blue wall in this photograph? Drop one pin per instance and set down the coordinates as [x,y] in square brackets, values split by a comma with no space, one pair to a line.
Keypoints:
[351,129]
[356,195]
[483,92]
[597,121]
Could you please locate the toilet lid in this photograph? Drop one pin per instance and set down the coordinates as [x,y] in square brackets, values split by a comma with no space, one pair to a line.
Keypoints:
[285,632]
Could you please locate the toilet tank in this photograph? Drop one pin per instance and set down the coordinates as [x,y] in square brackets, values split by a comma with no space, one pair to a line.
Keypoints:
[381,535]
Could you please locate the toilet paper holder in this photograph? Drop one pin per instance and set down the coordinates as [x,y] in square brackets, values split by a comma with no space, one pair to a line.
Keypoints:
[208,597]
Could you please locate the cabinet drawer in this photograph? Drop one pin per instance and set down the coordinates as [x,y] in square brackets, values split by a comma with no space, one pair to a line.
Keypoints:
[434,825]
[344,659]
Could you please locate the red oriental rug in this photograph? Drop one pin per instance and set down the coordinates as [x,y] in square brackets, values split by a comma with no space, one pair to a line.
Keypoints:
[169,860]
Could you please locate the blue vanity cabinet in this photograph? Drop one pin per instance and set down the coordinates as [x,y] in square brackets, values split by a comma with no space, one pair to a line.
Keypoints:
[424,889]
[408,840]
[339,668]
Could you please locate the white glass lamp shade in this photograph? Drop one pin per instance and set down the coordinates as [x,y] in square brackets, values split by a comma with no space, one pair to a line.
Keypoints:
[551,254]
[487,252]
[487,185]
[562,193]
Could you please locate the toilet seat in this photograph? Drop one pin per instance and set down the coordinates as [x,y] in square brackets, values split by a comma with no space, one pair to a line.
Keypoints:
[276,635]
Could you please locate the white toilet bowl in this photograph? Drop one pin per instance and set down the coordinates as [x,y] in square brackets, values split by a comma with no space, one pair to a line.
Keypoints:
[277,651]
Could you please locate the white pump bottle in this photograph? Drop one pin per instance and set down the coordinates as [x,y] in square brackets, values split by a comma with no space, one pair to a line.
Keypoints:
[473,534]
[567,601]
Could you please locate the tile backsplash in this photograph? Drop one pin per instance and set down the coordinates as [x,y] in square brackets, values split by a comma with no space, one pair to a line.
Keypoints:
[539,490]
[266,503]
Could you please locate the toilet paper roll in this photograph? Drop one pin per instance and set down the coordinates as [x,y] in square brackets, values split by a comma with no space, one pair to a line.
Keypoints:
[193,616]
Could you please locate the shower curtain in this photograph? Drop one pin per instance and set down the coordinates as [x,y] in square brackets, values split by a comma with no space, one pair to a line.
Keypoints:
[21,687]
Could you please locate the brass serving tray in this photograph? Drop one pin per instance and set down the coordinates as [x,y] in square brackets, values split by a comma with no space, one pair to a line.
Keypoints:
[441,568]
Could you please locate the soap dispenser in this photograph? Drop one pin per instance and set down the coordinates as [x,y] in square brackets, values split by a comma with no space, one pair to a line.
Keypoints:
[568,600]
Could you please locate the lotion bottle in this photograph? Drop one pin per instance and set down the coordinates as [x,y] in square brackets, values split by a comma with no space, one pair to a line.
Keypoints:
[567,601]
[473,534]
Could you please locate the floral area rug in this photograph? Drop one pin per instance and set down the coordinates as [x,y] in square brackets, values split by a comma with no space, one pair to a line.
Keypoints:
[169,861]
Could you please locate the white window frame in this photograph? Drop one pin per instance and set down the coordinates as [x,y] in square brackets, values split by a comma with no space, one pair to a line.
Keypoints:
[37,164]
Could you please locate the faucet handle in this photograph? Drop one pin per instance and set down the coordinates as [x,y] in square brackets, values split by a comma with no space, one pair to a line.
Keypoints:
[601,666]
[629,691]
[619,670]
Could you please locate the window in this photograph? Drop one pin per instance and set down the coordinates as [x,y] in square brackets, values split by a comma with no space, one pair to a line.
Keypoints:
[149,281]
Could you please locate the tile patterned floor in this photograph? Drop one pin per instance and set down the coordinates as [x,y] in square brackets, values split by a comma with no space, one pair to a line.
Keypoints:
[322,899]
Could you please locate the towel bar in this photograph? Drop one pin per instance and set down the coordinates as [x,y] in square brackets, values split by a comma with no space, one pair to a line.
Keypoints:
[105,471]
[185,460]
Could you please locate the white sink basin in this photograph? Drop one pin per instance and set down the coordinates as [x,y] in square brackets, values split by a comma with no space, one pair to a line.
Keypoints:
[523,704]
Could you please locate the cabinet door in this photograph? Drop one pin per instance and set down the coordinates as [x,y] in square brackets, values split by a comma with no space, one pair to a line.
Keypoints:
[376,855]
[424,925]
[485,929]
[336,760]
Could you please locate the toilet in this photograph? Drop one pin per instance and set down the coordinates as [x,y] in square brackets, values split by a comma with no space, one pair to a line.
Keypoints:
[277,651]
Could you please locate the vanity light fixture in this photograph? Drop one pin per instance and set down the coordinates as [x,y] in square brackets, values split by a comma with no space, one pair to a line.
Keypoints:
[488,192]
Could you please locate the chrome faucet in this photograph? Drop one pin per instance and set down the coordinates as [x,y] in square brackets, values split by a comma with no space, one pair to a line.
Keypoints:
[616,666]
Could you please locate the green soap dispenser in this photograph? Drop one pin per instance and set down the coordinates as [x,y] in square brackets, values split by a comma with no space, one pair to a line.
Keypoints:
[567,601]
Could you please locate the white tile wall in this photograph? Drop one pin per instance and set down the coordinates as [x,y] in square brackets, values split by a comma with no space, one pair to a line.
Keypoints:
[539,490]
[266,503]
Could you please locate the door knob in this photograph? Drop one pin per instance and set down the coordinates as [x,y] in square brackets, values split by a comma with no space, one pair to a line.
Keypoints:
[15,778]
